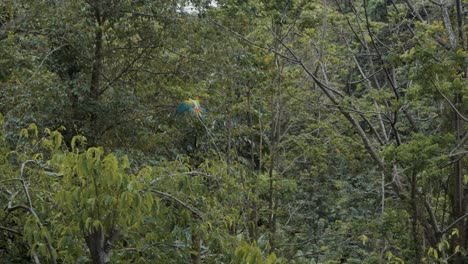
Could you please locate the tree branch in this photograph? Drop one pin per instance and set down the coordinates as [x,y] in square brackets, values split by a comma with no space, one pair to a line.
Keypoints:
[433,218]
[13,179]
[42,62]
[31,210]
[250,42]
[327,90]
[109,83]
[28,197]
[11,230]
[454,223]
[195,212]
[462,141]
[449,102]
[448,26]
[367,144]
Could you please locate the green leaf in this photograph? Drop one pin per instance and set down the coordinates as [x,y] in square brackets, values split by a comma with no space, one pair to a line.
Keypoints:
[363,239]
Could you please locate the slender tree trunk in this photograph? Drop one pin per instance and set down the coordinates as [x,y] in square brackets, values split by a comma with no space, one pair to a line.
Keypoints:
[458,203]
[229,146]
[448,26]
[196,247]
[95,77]
[253,215]
[271,192]
[415,221]
[274,137]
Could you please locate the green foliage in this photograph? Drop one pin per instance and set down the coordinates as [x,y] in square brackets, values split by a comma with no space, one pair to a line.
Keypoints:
[96,193]
[251,254]
[336,131]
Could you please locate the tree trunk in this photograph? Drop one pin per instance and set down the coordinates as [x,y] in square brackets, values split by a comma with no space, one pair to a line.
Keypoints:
[196,247]
[458,196]
[95,78]
[100,245]
[415,220]
[458,203]
[253,216]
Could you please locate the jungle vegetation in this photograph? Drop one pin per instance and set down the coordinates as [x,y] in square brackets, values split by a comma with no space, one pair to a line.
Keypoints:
[233,131]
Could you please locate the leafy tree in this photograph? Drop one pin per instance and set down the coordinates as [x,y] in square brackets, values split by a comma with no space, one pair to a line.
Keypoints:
[332,131]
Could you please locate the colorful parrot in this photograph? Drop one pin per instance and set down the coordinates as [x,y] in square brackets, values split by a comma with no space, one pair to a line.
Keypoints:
[192,106]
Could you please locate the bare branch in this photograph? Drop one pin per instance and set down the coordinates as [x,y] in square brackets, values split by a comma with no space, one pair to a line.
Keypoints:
[19,206]
[448,26]
[42,62]
[31,210]
[459,155]
[439,4]
[109,83]
[449,102]
[434,224]
[11,230]
[12,179]
[367,144]
[436,37]
[374,39]
[13,208]
[366,78]
[454,223]
[462,141]
[35,257]
[326,89]
[159,72]
[28,197]
[195,212]
[250,42]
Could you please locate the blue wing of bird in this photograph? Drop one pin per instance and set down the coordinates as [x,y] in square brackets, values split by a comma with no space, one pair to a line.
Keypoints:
[193,106]
[183,107]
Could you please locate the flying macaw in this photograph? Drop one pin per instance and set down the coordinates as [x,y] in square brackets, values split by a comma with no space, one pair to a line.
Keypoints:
[192,106]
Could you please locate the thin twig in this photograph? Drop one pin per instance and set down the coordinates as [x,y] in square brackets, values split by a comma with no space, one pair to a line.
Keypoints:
[42,62]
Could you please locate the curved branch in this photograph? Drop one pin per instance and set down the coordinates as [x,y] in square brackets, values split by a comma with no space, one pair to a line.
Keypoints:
[449,102]
[42,62]
[195,212]
[50,248]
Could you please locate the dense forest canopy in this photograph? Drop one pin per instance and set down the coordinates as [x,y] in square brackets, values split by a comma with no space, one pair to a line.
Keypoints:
[233,131]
